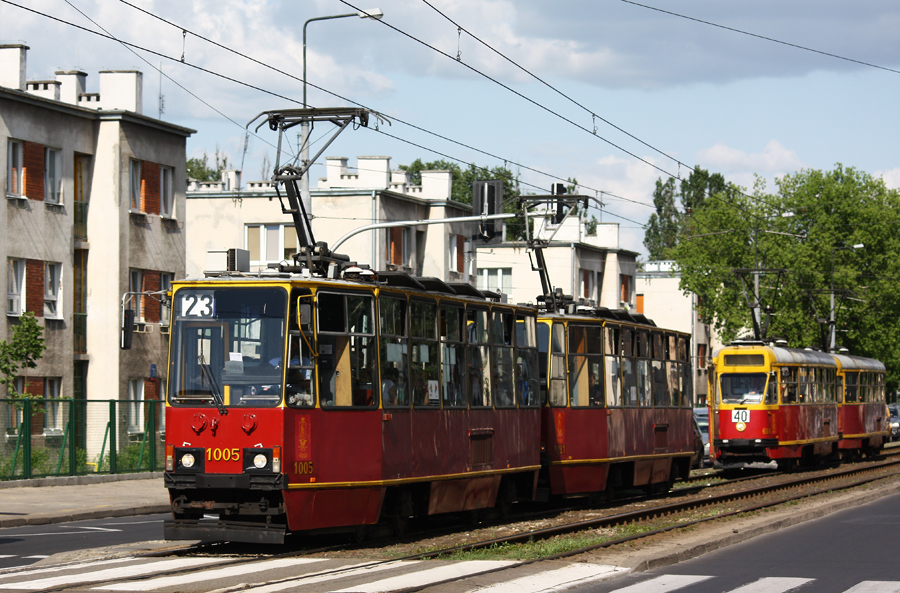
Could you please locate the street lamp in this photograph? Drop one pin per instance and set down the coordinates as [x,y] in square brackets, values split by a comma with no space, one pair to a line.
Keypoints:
[374,14]
[831,321]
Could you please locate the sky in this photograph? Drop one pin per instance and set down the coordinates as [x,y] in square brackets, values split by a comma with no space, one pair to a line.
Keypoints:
[609,92]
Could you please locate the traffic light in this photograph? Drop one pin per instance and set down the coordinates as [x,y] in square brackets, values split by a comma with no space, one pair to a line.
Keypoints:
[487,198]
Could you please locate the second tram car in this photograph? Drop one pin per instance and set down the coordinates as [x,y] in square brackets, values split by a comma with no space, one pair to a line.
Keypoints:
[792,406]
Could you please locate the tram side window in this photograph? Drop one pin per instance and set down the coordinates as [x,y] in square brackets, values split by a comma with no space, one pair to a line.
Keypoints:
[658,372]
[643,369]
[788,385]
[526,361]
[543,342]
[880,387]
[829,385]
[299,387]
[346,344]
[586,366]
[424,366]
[802,375]
[814,377]
[558,365]
[453,357]
[504,380]
[629,370]
[685,373]
[863,387]
[851,389]
[479,358]
[393,352]
[612,346]
[672,372]
[772,390]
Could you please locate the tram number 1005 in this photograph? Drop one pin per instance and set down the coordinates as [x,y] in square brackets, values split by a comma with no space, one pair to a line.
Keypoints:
[740,416]
[217,454]
[303,468]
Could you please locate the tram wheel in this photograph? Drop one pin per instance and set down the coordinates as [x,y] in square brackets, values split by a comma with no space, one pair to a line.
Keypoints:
[359,534]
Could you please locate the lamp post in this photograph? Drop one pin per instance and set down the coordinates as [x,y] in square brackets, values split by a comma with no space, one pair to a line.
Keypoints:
[375,14]
[831,321]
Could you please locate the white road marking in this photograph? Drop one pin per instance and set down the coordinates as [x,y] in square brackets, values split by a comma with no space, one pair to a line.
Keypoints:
[663,583]
[209,575]
[37,556]
[456,570]
[98,528]
[553,580]
[772,585]
[17,571]
[121,572]
[350,570]
[876,587]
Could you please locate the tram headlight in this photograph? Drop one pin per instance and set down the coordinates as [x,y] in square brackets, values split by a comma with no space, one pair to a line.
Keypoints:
[260,461]
[187,460]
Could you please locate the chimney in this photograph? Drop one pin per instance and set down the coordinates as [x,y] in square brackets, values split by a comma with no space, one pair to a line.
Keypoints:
[232,179]
[72,84]
[121,90]
[12,65]
[48,89]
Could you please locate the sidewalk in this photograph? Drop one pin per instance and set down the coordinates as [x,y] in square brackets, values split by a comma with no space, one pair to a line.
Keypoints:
[57,500]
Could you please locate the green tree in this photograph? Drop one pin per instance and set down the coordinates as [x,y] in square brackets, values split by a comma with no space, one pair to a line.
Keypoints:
[199,169]
[807,229]
[461,186]
[661,232]
[24,348]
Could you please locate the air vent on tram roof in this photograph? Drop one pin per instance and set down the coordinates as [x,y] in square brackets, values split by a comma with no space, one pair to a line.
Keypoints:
[400,279]
[465,289]
[436,285]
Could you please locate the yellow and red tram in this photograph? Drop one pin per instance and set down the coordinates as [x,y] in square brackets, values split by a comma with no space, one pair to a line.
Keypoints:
[792,406]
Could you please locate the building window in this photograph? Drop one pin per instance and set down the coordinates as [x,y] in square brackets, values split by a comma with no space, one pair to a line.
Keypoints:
[271,243]
[701,357]
[134,185]
[135,286]
[52,176]
[14,412]
[135,405]
[627,284]
[166,192]
[53,411]
[495,279]
[52,285]
[397,247]
[14,168]
[165,285]
[639,306]
[15,286]
[458,253]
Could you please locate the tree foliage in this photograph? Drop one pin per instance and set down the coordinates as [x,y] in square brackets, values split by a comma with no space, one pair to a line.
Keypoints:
[461,185]
[807,228]
[199,169]
[24,348]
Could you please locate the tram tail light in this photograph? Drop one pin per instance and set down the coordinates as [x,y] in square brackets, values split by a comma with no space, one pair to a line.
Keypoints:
[276,460]
[170,458]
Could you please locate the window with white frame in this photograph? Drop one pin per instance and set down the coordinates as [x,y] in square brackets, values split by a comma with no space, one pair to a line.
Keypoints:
[166,192]
[270,243]
[15,286]
[52,176]
[135,405]
[14,160]
[135,285]
[626,283]
[52,290]
[165,285]
[134,185]
[457,247]
[495,279]
[53,409]
[397,246]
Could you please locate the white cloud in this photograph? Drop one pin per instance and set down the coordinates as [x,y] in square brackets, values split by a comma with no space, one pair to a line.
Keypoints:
[891,177]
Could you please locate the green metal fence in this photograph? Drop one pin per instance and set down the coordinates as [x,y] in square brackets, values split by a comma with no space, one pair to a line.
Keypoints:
[66,437]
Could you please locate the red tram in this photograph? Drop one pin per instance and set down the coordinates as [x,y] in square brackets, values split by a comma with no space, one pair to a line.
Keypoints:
[302,402]
[792,406]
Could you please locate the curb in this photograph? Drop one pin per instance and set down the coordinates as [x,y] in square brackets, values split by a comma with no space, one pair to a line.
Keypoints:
[46,519]
[737,536]
[78,480]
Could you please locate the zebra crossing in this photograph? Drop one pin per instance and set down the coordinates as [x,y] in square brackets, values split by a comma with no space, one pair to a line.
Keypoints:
[315,575]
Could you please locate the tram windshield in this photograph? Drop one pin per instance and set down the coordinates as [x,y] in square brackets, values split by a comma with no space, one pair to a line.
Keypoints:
[743,388]
[227,348]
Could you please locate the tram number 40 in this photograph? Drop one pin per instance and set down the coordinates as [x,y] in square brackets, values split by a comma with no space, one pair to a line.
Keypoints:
[740,416]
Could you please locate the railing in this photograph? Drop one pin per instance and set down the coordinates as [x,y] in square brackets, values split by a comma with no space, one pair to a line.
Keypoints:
[67,437]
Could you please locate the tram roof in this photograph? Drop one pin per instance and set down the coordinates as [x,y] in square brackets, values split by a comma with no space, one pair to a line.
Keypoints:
[800,356]
[849,362]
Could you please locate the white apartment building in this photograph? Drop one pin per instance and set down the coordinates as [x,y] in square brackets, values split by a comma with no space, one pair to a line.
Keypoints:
[94,208]
[223,215]
[587,266]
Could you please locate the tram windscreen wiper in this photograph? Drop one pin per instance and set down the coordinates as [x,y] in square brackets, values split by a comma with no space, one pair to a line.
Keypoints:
[213,386]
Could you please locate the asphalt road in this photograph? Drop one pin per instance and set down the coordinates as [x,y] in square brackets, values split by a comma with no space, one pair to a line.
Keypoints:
[21,546]
[833,554]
